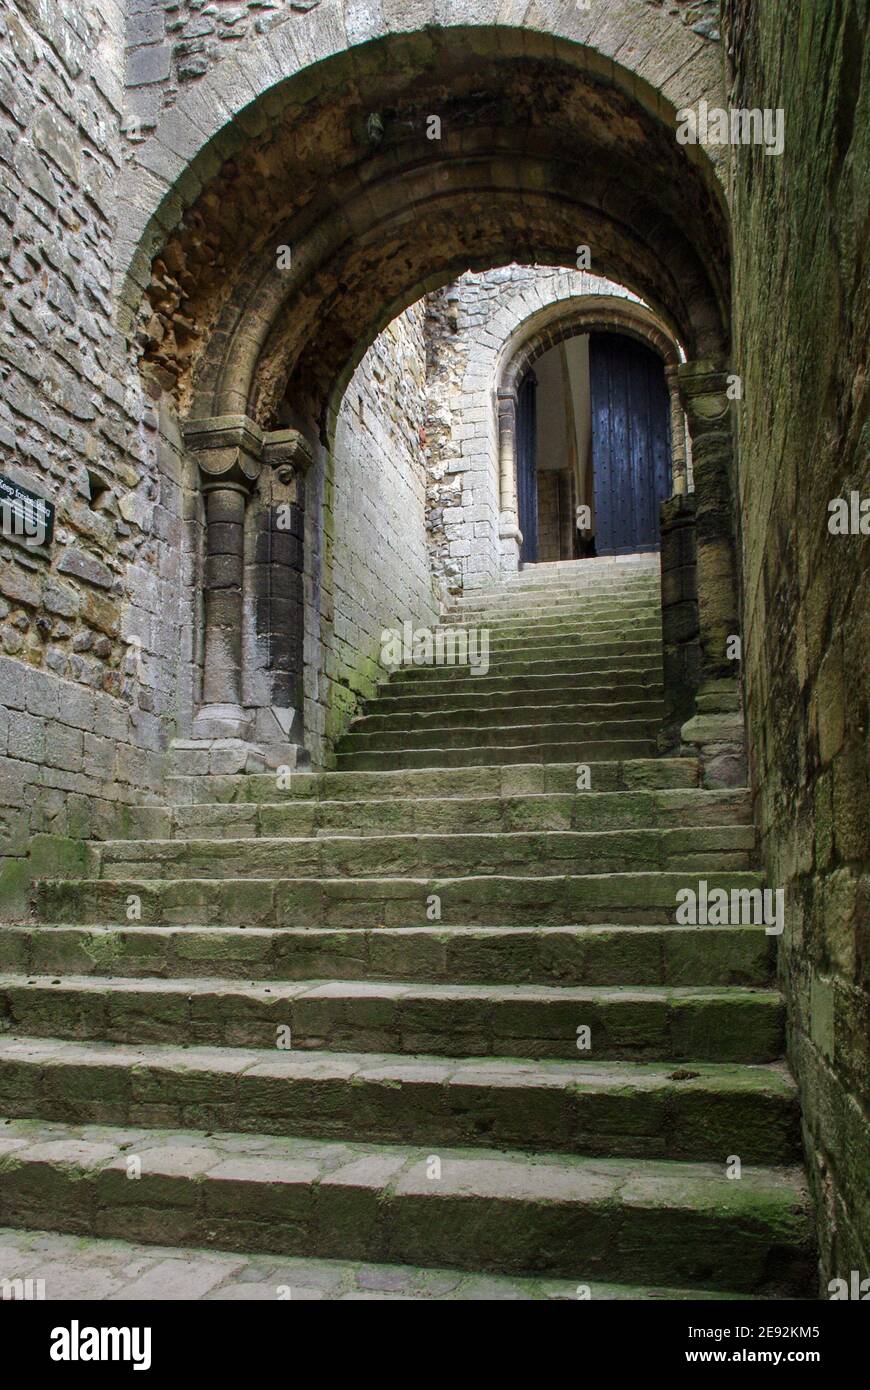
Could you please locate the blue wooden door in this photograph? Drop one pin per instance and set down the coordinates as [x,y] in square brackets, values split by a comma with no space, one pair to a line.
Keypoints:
[631,443]
[527,476]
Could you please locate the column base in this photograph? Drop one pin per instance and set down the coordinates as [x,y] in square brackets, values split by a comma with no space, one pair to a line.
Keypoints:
[716,735]
[222,721]
[227,757]
[510,538]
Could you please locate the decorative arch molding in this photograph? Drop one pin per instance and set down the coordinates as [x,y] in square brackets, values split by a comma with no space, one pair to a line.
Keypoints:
[602,313]
[661,63]
[238,337]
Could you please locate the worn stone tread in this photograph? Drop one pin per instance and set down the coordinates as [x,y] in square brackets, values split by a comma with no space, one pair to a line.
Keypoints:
[695,1111]
[716,1023]
[504,1212]
[73,1267]
[485,899]
[603,954]
[711,847]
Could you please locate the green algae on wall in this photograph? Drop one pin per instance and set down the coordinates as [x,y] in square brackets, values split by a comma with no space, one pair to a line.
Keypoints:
[802,322]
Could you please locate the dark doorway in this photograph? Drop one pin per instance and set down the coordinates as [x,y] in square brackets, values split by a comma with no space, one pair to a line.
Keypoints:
[631,443]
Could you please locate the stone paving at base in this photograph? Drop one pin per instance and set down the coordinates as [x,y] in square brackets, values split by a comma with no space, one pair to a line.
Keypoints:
[114,1270]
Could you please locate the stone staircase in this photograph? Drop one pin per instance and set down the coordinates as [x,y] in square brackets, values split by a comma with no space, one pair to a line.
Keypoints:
[340,1017]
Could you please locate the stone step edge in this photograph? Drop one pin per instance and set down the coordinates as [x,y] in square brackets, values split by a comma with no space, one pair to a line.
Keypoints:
[316,1064]
[293,991]
[140,1272]
[515,833]
[581,796]
[380,1201]
[680,1181]
[505,769]
[627,713]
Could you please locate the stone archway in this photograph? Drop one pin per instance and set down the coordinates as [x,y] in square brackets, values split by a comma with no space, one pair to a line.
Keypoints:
[543,144]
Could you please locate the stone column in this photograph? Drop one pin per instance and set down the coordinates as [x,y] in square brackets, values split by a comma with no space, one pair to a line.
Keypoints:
[510,536]
[228,450]
[680,647]
[277,582]
[708,411]
[678,433]
[716,731]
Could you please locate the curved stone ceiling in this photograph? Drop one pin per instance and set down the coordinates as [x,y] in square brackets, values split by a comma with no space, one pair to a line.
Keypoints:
[540,152]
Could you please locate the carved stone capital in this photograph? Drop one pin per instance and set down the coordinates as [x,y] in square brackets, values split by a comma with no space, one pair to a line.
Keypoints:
[703,393]
[288,449]
[227,448]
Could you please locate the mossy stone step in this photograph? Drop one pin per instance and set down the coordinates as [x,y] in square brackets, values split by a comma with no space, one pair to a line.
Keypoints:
[705,848]
[592,955]
[494,754]
[611,1219]
[642,1110]
[512,779]
[483,688]
[471,734]
[134,1272]
[620,656]
[483,900]
[642,1023]
[564,714]
[454,815]
[541,695]
[566,636]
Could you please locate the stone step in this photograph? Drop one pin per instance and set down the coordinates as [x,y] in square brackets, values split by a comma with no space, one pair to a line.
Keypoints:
[541,633]
[558,620]
[704,849]
[485,691]
[591,955]
[515,779]
[604,669]
[483,900]
[615,583]
[637,1023]
[503,716]
[553,597]
[647,1221]
[641,1110]
[473,732]
[544,694]
[530,650]
[454,815]
[493,754]
[94,1269]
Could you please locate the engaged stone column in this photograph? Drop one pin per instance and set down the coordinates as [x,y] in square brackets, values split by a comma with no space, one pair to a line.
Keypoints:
[678,433]
[510,536]
[227,450]
[277,582]
[702,388]
[716,731]
[680,649]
